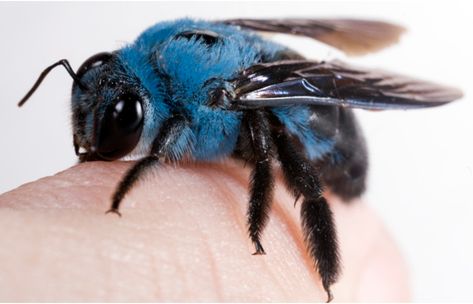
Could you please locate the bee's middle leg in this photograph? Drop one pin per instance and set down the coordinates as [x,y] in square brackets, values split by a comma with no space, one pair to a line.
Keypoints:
[262,179]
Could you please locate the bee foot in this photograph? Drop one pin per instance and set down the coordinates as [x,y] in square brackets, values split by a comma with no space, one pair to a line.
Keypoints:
[115,211]
[259,249]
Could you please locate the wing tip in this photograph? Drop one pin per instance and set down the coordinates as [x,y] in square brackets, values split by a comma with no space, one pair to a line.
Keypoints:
[452,94]
[369,36]
[355,37]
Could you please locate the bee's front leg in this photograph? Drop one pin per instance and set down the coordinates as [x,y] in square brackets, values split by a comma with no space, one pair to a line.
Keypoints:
[163,146]
[317,220]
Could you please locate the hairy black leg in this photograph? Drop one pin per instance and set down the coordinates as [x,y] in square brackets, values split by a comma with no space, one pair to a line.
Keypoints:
[130,179]
[262,180]
[317,219]
[166,138]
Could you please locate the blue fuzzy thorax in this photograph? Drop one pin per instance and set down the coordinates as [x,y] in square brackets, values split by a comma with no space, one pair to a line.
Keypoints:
[175,75]
[176,72]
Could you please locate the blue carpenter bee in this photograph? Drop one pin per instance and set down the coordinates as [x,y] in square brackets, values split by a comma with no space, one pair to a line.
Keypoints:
[208,90]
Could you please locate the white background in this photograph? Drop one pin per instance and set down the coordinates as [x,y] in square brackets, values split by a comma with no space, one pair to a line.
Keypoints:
[421,175]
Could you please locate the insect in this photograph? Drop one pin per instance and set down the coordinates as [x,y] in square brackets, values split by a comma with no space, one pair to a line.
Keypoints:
[204,91]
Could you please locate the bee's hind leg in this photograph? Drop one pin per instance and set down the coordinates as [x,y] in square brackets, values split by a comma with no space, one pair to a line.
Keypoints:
[262,179]
[317,220]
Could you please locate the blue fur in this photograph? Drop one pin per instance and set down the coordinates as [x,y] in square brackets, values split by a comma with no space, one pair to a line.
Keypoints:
[295,120]
[192,71]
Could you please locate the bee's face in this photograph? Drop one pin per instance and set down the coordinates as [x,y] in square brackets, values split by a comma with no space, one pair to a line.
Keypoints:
[108,112]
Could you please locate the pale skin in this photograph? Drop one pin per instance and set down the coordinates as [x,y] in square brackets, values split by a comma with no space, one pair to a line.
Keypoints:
[182,237]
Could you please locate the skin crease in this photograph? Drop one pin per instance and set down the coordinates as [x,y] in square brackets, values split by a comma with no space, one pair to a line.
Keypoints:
[182,237]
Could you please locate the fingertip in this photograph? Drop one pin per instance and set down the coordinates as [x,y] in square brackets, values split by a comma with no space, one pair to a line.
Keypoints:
[384,276]
[184,234]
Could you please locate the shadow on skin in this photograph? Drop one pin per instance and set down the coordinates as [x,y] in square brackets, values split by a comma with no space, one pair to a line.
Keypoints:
[182,237]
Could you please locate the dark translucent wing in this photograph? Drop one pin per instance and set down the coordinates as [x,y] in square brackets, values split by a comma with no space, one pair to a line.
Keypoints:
[354,37]
[295,82]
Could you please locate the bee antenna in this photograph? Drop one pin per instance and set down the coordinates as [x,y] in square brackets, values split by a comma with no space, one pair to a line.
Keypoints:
[46,71]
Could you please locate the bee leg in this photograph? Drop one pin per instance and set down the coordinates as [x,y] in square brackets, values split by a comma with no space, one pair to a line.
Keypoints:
[262,180]
[130,179]
[317,219]
[162,144]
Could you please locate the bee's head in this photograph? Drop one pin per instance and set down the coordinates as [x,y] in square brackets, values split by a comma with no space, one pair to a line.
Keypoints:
[107,108]
[108,113]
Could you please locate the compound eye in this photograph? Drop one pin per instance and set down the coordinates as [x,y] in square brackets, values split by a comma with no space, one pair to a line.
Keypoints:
[92,62]
[208,37]
[121,127]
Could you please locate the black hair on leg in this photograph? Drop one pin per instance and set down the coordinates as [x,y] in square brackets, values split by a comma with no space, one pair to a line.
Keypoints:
[317,219]
[166,138]
[130,179]
[320,235]
[262,180]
